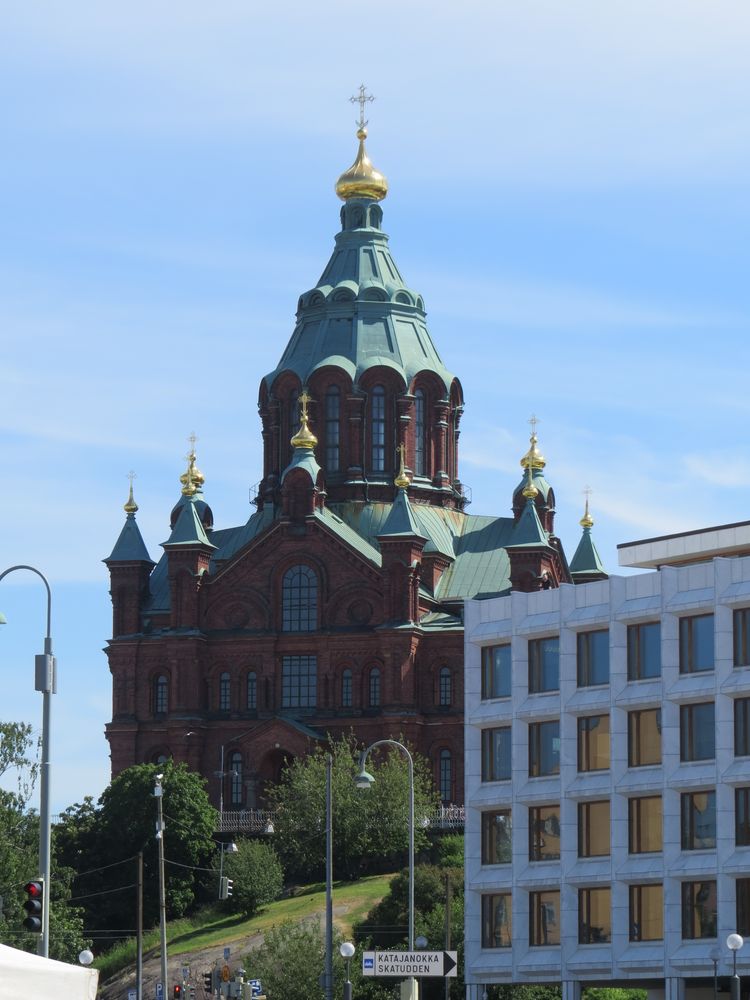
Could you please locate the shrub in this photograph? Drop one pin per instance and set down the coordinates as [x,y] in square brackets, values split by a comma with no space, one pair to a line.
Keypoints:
[257,874]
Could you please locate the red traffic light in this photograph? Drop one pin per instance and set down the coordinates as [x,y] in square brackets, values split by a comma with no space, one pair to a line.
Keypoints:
[34,890]
[34,907]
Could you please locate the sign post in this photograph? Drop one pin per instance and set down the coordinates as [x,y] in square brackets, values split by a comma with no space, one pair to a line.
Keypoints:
[408,964]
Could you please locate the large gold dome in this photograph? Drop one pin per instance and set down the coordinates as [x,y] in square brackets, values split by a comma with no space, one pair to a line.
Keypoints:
[362,180]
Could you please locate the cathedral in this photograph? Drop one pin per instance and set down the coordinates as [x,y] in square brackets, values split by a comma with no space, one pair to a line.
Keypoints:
[337,607]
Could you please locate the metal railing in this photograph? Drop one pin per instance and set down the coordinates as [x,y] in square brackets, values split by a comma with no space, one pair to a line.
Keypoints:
[262,820]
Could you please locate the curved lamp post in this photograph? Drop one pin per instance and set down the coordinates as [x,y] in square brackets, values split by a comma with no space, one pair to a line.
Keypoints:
[45,681]
[734,943]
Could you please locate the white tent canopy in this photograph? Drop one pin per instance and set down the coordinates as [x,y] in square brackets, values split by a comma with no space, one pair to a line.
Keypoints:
[32,978]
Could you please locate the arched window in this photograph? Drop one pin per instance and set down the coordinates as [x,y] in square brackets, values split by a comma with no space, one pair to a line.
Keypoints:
[161,695]
[446,687]
[377,422]
[252,691]
[374,688]
[419,433]
[346,689]
[446,776]
[235,777]
[333,415]
[299,600]
[293,413]
[160,758]
[225,692]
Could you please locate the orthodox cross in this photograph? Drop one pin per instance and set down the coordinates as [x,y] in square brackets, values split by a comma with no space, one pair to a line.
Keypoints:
[131,477]
[192,439]
[362,99]
[587,493]
[534,420]
[304,399]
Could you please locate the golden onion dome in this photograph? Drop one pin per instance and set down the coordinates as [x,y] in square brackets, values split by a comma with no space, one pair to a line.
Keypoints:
[533,456]
[362,180]
[530,491]
[304,438]
[587,520]
[130,506]
[192,479]
[402,481]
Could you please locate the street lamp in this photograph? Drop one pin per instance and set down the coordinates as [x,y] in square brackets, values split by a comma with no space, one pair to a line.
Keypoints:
[346,950]
[734,943]
[45,676]
[715,956]
[230,848]
[158,795]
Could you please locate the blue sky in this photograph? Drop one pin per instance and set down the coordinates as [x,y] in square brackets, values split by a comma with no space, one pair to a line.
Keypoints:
[568,191]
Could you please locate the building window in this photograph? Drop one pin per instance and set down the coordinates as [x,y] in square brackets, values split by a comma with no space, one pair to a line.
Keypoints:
[644,651]
[544,833]
[593,743]
[742,817]
[419,432]
[544,664]
[293,412]
[299,681]
[742,886]
[544,748]
[593,658]
[496,920]
[346,689]
[646,912]
[645,824]
[496,837]
[742,637]
[252,691]
[644,737]
[697,732]
[496,672]
[446,776]
[333,424]
[698,820]
[698,910]
[161,695]
[235,776]
[374,693]
[377,423]
[446,687]
[496,754]
[544,918]
[696,644]
[594,916]
[299,600]
[593,829]
[225,692]
[741,727]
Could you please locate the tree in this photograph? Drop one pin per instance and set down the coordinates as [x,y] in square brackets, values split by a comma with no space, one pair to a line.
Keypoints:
[257,875]
[366,824]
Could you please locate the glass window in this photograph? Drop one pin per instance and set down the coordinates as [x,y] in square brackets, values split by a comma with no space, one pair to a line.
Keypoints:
[593,829]
[697,732]
[646,913]
[377,419]
[594,916]
[235,776]
[593,658]
[644,651]
[593,743]
[374,688]
[742,817]
[741,727]
[743,907]
[225,692]
[496,920]
[293,413]
[496,666]
[544,748]
[419,432]
[544,917]
[496,754]
[544,664]
[544,833]
[333,431]
[644,737]
[696,644]
[299,681]
[252,691]
[446,776]
[644,824]
[299,598]
[446,687]
[698,820]
[698,910]
[346,689]
[741,637]
[496,837]
[161,695]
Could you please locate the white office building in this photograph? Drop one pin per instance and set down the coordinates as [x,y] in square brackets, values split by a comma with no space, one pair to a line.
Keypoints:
[608,774]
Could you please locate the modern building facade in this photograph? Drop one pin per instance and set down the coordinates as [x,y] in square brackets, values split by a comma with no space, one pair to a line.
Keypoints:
[608,773]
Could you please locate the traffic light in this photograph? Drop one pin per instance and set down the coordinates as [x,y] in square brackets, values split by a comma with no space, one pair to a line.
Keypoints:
[225,888]
[177,992]
[208,983]
[34,906]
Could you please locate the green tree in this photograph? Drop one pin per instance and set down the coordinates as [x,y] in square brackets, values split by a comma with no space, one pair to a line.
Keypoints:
[366,824]
[257,875]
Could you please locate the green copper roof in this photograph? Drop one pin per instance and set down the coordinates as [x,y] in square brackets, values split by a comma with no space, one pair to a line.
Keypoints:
[586,558]
[528,530]
[401,522]
[303,458]
[361,313]
[188,529]
[130,546]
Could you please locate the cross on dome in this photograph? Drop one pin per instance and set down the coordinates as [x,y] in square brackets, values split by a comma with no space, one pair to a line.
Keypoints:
[362,99]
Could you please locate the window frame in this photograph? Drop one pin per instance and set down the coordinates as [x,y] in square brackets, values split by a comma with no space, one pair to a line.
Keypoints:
[333,428]
[689,644]
[636,922]
[299,681]
[741,710]
[638,661]
[252,691]
[742,816]
[587,746]
[299,599]
[588,650]
[490,830]
[586,896]
[690,731]
[445,687]
[234,772]
[445,775]
[378,429]
[161,695]
[742,906]
[540,733]
[636,749]
[225,691]
[689,892]
[741,637]
[374,688]
[420,437]
[688,824]
[539,900]
[491,904]
[495,670]
[539,665]
[638,831]
[587,823]
[347,687]
[537,831]
[492,753]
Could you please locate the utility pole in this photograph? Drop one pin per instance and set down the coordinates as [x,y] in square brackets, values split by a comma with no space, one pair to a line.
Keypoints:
[448,902]
[162,890]
[329,880]
[139,929]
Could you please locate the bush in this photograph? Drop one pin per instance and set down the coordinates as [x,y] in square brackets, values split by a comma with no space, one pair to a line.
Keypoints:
[257,874]
[450,851]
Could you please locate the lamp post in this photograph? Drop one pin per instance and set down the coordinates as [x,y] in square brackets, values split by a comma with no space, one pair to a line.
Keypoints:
[734,943]
[346,949]
[45,677]
[230,848]
[158,794]
[715,956]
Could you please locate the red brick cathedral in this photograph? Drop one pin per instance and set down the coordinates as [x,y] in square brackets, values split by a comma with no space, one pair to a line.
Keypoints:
[338,605]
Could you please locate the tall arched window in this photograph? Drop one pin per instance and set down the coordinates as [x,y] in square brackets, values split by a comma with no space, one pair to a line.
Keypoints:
[252,691]
[333,416]
[446,776]
[299,600]
[374,688]
[293,413]
[419,433]
[225,692]
[346,689]
[161,695]
[377,422]
[446,687]
[235,777]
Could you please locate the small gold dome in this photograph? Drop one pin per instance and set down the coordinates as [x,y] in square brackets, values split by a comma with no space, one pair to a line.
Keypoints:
[362,180]
[192,479]
[587,520]
[530,491]
[533,456]
[130,507]
[304,438]
[402,481]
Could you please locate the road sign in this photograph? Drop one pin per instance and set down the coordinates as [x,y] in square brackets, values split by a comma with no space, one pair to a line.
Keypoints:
[132,994]
[227,953]
[159,991]
[255,987]
[404,964]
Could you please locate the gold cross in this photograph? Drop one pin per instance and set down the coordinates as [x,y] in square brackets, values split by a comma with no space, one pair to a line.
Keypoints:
[304,399]
[362,99]
[534,420]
